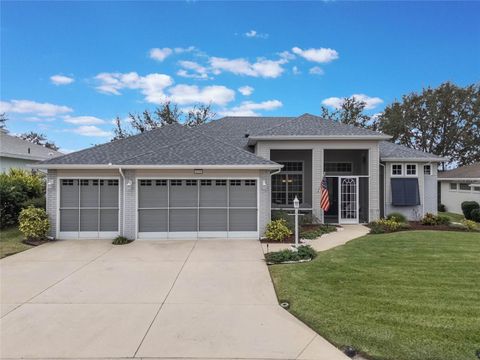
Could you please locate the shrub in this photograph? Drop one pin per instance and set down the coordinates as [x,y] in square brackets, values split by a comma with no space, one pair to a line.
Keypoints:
[386,226]
[467,207]
[303,252]
[475,214]
[317,231]
[283,215]
[277,230]
[443,219]
[33,223]
[470,225]
[429,219]
[398,217]
[121,240]
[17,187]
[442,208]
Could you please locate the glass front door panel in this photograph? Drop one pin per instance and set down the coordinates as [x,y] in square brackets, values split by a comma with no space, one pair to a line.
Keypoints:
[348,200]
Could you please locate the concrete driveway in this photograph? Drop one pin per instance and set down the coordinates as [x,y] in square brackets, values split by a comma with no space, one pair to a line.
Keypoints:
[169,299]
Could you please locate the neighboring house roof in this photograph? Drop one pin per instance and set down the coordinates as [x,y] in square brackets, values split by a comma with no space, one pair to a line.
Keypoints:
[168,147]
[14,147]
[467,172]
[394,152]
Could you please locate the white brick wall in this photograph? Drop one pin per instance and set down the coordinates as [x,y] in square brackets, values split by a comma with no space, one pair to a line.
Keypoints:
[51,198]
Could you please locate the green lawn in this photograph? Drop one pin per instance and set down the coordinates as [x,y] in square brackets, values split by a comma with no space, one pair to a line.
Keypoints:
[401,296]
[453,216]
[11,242]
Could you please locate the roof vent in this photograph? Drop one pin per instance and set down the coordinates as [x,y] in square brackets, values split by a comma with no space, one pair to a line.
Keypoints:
[247,135]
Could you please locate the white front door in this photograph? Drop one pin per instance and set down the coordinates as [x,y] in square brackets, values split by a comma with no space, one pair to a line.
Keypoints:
[348,194]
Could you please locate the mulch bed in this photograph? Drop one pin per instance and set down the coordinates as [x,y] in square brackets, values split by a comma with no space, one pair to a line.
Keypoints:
[35,242]
[291,238]
[417,225]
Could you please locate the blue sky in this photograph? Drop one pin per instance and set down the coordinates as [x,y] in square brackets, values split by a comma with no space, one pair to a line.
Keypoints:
[68,68]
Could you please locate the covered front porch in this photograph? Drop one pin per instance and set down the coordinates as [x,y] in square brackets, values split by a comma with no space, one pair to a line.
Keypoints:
[347,177]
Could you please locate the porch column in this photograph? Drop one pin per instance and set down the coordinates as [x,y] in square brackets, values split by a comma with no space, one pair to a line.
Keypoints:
[374,183]
[317,174]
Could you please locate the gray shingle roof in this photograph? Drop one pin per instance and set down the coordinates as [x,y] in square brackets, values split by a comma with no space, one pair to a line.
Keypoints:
[393,151]
[169,145]
[464,172]
[311,125]
[14,147]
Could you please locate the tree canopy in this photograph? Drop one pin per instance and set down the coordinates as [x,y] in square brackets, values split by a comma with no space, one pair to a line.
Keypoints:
[38,139]
[165,114]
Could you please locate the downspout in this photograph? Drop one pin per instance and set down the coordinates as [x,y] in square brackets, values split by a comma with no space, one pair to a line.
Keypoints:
[123,201]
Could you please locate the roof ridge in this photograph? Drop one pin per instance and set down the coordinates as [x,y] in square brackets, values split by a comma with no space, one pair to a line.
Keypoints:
[282,124]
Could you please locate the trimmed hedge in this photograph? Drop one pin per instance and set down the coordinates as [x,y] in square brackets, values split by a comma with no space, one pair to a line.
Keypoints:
[468,207]
[303,252]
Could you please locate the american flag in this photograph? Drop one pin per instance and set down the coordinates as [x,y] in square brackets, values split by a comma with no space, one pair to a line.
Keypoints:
[325,202]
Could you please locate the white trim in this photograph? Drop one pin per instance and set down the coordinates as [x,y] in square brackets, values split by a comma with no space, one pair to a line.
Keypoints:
[458,179]
[253,139]
[391,170]
[357,188]
[412,159]
[160,167]
[411,175]
[430,172]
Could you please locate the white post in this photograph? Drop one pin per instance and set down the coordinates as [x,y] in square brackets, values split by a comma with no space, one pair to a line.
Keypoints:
[296,205]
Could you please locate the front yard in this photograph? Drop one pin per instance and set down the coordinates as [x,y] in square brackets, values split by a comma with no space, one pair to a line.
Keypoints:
[408,295]
[11,242]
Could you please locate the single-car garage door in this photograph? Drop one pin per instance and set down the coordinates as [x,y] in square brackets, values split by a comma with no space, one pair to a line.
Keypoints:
[89,208]
[191,208]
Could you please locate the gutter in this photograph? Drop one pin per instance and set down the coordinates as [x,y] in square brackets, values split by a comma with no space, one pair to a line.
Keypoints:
[159,167]
[425,160]
[123,201]
[253,139]
[457,179]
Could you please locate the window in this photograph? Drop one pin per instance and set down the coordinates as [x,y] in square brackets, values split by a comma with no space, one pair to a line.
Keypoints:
[112,182]
[176,182]
[250,182]
[221,182]
[67,182]
[453,186]
[191,182]
[405,192]
[464,186]
[145,183]
[344,168]
[427,169]
[235,182]
[288,183]
[206,182]
[84,182]
[161,182]
[397,169]
[476,188]
[411,169]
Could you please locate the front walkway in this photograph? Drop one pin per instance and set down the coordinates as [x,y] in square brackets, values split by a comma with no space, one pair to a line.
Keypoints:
[327,241]
[168,299]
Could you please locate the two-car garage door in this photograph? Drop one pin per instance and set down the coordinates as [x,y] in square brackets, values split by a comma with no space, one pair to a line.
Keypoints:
[191,208]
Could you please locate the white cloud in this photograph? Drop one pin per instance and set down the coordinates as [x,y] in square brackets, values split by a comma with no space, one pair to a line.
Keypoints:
[91,130]
[83,120]
[33,107]
[321,55]
[295,70]
[255,34]
[261,68]
[286,55]
[249,108]
[191,94]
[316,70]
[198,71]
[160,54]
[180,50]
[246,90]
[151,85]
[370,102]
[61,80]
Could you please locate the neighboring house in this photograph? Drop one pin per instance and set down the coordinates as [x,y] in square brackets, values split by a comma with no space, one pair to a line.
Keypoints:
[223,179]
[18,154]
[459,185]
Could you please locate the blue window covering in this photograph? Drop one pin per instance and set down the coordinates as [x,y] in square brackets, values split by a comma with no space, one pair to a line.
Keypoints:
[405,192]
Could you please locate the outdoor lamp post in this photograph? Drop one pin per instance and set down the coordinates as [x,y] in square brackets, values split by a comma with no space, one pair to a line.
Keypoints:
[296,206]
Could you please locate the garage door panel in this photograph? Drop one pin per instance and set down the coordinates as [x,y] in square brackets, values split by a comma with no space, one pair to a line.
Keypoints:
[89,220]
[109,193]
[183,220]
[88,193]
[69,220]
[153,220]
[243,220]
[213,220]
[69,196]
[183,193]
[243,193]
[108,220]
[213,193]
[153,193]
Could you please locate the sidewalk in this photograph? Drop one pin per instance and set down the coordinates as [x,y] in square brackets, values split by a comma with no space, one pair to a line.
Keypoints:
[327,241]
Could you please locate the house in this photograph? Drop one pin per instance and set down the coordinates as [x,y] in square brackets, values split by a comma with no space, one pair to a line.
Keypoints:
[18,154]
[223,179]
[459,185]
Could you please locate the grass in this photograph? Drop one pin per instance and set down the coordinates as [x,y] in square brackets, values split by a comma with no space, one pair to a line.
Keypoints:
[453,216]
[11,242]
[411,295]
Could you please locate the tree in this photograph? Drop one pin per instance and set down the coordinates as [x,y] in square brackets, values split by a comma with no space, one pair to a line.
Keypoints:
[443,121]
[3,121]
[38,139]
[165,114]
[350,112]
